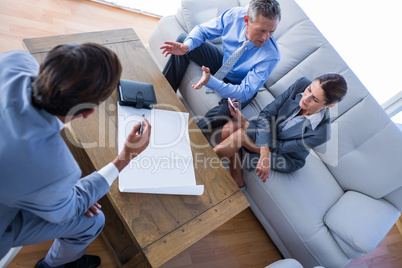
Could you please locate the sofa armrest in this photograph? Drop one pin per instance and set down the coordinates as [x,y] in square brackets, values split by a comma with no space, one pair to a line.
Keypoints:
[167,29]
[194,12]
[285,263]
[361,222]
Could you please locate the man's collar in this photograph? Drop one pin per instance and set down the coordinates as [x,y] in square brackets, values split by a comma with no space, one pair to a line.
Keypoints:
[243,34]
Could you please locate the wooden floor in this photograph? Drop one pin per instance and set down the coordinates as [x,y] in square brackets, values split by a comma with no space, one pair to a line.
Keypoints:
[21,19]
[239,243]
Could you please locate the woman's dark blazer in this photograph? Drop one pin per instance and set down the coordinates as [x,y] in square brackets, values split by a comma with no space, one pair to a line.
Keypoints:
[288,148]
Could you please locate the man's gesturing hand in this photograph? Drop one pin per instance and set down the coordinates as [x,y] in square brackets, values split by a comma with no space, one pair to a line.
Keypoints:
[134,144]
[174,48]
[206,75]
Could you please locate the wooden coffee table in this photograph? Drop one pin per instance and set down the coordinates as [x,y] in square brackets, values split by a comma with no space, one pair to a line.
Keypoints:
[145,230]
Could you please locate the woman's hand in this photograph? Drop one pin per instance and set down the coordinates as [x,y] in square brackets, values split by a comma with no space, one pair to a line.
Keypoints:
[262,169]
[174,48]
[235,112]
[206,75]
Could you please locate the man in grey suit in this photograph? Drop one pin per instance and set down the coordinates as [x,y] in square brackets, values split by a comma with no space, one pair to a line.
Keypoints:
[42,196]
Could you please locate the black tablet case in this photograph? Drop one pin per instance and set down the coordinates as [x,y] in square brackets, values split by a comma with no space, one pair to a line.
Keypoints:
[136,94]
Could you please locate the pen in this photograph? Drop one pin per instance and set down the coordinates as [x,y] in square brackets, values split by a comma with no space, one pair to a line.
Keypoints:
[142,124]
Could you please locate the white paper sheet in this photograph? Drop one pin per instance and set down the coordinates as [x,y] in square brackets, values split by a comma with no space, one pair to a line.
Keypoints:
[166,165]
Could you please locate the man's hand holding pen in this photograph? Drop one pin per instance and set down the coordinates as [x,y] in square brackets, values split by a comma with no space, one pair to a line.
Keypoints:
[136,142]
[142,123]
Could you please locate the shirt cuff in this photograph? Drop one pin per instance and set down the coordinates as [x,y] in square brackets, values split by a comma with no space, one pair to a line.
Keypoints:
[109,173]
[214,83]
[190,44]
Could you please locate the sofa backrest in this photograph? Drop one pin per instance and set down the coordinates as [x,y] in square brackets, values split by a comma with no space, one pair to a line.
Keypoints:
[192,13]
[365,151]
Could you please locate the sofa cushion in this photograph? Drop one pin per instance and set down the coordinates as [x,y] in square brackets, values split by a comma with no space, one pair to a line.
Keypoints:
[167,29]
[361,221]
[322,60]
[194,12]
[244,3]
[349,251]
[395,198]
[286,263]
[253,109]
[295,205]
[364,154]
[291,15]
[294,48]
[199,101]
[306,52]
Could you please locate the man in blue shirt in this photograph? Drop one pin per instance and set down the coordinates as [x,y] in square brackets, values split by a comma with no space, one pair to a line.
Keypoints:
[255,25]
[41,195]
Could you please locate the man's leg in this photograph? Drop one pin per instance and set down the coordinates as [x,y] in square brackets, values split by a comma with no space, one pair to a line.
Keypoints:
[71,238]
[219,115]
[206,54]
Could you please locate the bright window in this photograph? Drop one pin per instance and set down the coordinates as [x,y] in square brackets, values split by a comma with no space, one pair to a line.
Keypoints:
[398,118]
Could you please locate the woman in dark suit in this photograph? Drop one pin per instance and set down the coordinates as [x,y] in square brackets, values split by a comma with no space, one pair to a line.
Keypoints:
[281,137]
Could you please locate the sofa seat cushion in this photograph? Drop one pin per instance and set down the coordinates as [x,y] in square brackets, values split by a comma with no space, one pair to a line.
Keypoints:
[253,109]
[199,101]
[295,204]
[360,221]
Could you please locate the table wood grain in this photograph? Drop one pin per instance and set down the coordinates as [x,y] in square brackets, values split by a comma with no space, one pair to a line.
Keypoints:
[146,230]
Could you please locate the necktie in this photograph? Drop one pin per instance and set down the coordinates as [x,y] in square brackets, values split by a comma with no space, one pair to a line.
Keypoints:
[229,63]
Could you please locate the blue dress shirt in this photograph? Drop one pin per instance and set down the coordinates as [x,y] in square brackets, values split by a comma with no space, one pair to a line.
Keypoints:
[252,69]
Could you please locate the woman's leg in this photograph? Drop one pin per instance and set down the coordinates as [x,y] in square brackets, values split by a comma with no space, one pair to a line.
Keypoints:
[229,128]
[235,169]
[234,138]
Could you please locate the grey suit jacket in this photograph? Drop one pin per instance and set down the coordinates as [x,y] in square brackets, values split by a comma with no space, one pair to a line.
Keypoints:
[37,171]
[289,148]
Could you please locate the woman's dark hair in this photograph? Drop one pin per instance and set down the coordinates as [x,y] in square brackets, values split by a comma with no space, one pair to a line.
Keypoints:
[334,86]
[73,75]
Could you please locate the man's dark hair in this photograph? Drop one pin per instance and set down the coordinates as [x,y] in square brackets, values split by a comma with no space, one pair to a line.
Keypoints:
[334,86]
[267,8]
[73,74]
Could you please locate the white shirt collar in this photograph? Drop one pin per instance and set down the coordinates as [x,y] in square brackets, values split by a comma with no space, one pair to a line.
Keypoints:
[61,124]
[316,118]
